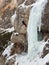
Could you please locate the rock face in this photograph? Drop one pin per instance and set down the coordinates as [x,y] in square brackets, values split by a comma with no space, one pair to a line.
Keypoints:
[4,39]
[28,2]
[20,43]
[20,26]
[6,12]
[2,60]
[2,3]
[45,19]
[21,21]
[18,38]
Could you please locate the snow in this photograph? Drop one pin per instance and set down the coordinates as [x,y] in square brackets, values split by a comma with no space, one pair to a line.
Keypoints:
[26,6]
[47,48]
[13,18]
[11,57]
[23,4]
[35,61]
[1,28]
[8,50]
[16,33]
[9,29]
[24,59]
[41,61]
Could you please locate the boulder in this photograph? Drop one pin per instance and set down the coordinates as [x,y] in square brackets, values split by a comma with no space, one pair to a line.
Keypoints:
[17,48]
[20,43]
[18,38]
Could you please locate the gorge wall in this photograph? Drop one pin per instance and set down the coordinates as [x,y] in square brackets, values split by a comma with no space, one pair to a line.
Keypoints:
[21,22]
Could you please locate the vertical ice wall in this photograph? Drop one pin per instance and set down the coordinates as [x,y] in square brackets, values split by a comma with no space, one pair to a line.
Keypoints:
[34,22]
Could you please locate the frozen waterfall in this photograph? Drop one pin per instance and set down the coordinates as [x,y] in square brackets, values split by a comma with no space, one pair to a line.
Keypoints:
[34,22]
[34,47]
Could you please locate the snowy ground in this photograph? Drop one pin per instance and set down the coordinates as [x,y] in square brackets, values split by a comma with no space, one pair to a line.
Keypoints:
[25,59]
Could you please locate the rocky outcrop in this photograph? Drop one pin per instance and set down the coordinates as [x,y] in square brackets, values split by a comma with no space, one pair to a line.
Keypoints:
[18,38]
[45,49]
[4,39]
[28,2]
[20,43]
[20,26]
[45,19]
[21,22]
[6,12]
